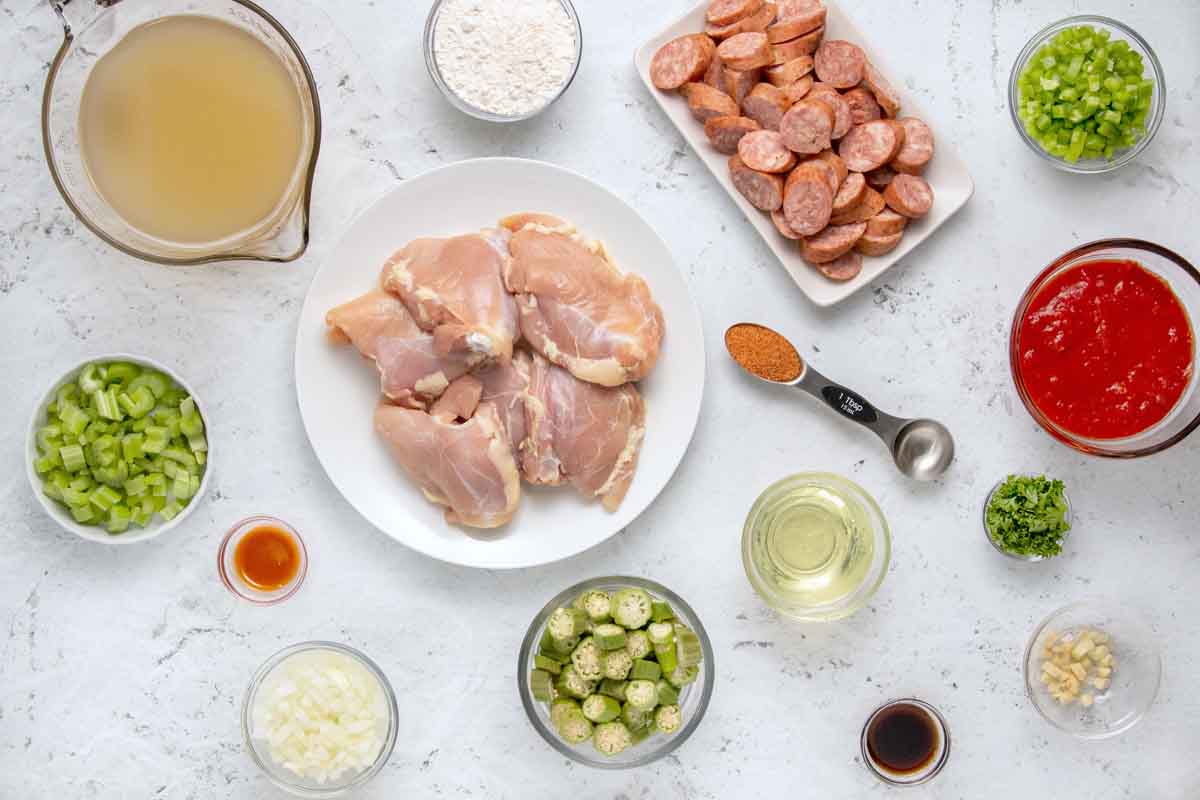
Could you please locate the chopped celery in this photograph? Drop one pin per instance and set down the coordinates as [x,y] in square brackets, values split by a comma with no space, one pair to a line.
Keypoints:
[72,458]
[170,510]
[44,464]
[138,404]
[131,445]
[155,381]
[136,487]
[118,519]
[90,380]
[83,514]
[191,424]
[121,372]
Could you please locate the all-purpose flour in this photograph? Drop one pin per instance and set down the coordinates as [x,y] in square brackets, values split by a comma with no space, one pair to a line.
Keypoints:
[509,57]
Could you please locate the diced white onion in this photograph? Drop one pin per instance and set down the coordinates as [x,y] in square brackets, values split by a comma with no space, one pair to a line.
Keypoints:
[322,714]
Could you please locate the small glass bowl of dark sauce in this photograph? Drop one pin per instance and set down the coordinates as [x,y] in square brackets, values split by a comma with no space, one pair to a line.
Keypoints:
[905,742]
[263,560]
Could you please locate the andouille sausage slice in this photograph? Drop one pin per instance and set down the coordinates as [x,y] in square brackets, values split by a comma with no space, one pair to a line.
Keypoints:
[839,63]
[827,171]
[796,19]
[726,132]
[766,104]
[863,106]
[886,223]
[723,12]
[909,195]
[918,147]
[839,167]
[745,51]
[765,152]
[880,178]
[805,45]
[846,268]
[870,245]
[807,127]
[870,145]
[842,121]
[714,76]
[706,102]
[850,194]
[832,243]
[681,61]
[738,82]
[763,190]
[798,90]
[885,95]
[872,203]
[807,201]
[781,225]
[755,23]
[790,72]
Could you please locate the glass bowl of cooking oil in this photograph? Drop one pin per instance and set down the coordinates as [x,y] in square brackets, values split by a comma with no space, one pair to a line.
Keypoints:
[816,547]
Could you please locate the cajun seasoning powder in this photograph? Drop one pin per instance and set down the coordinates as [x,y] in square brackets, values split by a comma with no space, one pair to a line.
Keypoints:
[763,352]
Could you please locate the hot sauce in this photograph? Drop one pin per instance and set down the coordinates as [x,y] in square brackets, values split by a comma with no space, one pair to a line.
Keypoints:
[1106,349]
[267,558]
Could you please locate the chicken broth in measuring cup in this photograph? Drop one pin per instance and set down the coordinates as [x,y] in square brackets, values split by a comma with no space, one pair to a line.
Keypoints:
[193,130]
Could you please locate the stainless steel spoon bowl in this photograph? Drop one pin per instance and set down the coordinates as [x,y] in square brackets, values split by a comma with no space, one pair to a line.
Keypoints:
[922,448]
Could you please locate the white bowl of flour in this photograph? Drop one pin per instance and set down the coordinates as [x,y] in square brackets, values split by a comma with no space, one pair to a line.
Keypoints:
[503,60]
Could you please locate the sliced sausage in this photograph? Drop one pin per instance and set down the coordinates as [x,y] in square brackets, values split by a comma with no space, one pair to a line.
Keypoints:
[755,23]
[850,194]
[781,225]
[870,145]
[807,127]
[762,189]
[886,223]
[872,203]
[880,178]
[842,269]
[918,147]
[681,61]
[909,195]
[842,121]
[839,166]
[766,104]
[706,102]
[840,63]
[745,51]
[805,45]
[738,82]
[885,95]
[724,12]
[827,171]
[726,132]
[807,201]
[765,152]
[796,19]
[790,72]
[798,90]
[870,245]
[863,106]
[832,243]
[714,76]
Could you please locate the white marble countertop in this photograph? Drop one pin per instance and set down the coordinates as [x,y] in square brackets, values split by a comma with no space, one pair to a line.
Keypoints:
[122,669]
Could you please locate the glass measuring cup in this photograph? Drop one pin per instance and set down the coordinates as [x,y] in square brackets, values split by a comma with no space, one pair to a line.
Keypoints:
[91,28]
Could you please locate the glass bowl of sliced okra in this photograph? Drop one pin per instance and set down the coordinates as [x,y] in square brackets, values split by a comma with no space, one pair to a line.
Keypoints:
[616,672]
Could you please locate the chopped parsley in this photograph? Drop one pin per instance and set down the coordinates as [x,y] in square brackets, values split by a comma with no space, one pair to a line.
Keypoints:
[1027,516]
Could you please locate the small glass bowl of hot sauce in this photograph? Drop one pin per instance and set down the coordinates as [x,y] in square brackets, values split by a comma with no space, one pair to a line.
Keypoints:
[262,559]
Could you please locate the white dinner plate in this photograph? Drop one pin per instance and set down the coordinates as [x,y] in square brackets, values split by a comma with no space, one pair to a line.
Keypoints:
[947,173]
[337,390]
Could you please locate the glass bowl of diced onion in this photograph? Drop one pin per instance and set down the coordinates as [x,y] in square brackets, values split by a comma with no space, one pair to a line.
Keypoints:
[319,719]
[1115,32]
[1093,669]
[693,697]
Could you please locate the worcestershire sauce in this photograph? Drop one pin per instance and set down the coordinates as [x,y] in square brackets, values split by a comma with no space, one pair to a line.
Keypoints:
[902,738]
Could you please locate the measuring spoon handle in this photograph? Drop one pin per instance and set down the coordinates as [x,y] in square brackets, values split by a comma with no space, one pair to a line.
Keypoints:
[850,404]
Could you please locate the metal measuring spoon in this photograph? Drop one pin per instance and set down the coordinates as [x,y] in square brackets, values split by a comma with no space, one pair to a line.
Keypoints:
[921,448]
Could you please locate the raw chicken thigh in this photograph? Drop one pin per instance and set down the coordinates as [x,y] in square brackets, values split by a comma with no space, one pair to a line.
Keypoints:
[455,289]
[410,372]
[506,386]
[467,467]
[577,309]
[583,433]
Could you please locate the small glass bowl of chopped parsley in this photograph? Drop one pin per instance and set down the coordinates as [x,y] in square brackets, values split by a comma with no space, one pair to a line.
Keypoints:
[1027,517]
[1087,94]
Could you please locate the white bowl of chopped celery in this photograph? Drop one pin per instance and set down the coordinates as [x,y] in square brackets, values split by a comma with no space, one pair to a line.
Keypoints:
[117,450]
[1087,94]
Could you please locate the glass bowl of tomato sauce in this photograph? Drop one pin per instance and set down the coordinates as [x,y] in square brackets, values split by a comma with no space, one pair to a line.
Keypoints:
[1103,348]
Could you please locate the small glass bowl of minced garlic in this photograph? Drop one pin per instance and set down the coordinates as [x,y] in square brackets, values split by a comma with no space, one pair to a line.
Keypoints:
[503,60]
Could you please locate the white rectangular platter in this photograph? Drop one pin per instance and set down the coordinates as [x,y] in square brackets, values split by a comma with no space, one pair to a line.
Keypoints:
[947,173]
